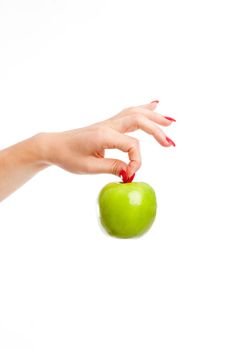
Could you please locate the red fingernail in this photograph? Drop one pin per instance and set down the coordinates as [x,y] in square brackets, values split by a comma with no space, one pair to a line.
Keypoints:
[157,101]
[123,175]
[170,141]
[130,179]
[171,119]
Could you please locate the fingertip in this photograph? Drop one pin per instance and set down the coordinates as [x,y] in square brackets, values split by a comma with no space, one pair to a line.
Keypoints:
[170,142]
[123,175]
[153,104]
[130,179]
[170,119]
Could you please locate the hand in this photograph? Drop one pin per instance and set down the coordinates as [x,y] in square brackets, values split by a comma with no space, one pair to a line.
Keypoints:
[82,151]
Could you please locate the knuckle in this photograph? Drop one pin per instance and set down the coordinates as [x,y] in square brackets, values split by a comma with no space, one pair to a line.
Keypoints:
[132,141]
[139,119]
[136,142]
[115,167]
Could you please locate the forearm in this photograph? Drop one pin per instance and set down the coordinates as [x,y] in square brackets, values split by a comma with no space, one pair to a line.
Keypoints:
[19,163]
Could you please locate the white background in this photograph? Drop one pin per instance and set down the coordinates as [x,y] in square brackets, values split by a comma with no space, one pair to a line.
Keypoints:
[64,284]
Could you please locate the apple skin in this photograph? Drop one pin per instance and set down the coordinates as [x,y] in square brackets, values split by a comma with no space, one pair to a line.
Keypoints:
[127,209]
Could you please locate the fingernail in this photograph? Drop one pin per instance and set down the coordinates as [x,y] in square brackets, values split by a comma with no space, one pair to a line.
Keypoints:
[123,176]
[170,119]
[130,179]
[155,101]
[170,141]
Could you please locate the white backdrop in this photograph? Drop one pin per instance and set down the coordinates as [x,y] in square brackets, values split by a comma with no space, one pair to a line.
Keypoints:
[63,283]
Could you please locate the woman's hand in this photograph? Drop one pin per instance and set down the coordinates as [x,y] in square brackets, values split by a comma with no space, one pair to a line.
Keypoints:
[82,151]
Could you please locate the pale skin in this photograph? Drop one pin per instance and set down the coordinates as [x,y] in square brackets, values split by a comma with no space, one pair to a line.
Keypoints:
[82,151]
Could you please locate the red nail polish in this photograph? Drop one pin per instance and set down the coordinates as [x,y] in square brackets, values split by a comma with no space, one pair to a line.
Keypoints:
[157,101]
[123,175]
[170,141]
[130,179]
[171,119]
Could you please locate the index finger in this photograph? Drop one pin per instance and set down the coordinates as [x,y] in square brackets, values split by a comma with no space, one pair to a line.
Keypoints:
[125,143]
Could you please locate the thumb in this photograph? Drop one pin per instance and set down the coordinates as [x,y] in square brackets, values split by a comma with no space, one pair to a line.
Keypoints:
[109,166]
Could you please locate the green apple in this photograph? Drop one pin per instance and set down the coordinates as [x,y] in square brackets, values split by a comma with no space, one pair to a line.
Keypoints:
[127,209]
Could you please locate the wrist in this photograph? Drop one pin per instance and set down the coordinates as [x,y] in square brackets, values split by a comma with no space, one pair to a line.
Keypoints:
[39,148]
